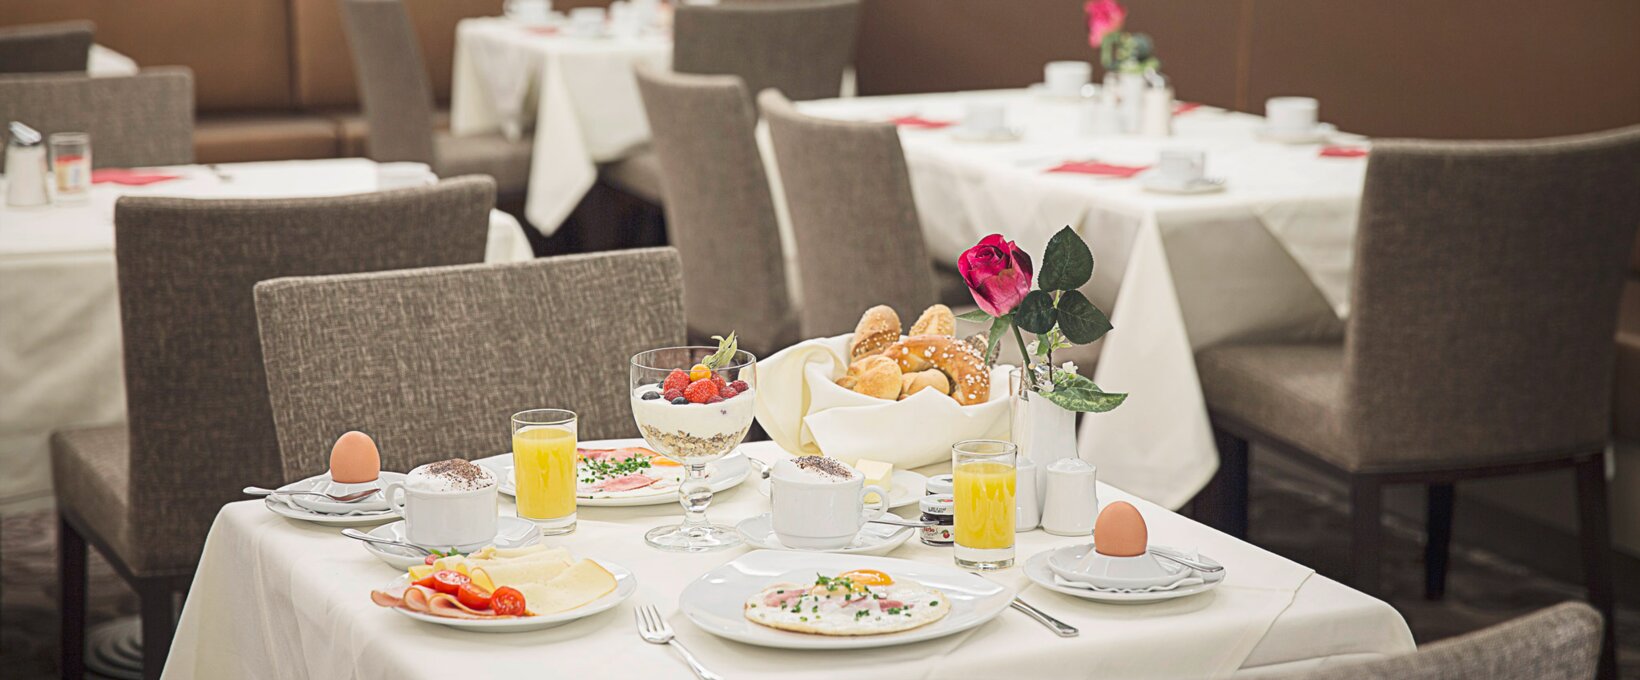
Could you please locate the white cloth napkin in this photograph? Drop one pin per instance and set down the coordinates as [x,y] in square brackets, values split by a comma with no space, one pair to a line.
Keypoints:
[807,413]
[290,501]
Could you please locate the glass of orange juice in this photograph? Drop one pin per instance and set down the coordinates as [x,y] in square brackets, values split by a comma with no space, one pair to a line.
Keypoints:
[983,477]
[544,468]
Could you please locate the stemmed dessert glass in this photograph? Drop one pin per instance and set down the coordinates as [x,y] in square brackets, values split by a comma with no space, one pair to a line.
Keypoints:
[694,433]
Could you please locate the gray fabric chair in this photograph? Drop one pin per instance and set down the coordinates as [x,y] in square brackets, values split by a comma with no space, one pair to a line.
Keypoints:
[799,47]
[720,209]
[1486,286]
[859,242]
[200,428]
[1557,643]
[141,120]
[398,103]
[462,349]
[63,46]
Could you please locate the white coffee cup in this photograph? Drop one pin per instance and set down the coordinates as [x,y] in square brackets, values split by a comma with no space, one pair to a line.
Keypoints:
[443,518]
[1181,166]
[984,118]
[1066,78]
[528,11]
[403,175]
[816,510]
[587,22]
[1291,114]
[1071,503]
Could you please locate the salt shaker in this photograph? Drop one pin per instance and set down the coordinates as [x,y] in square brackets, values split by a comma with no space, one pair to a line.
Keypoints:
[25,168]
[1026,509]
[1156,114]
[1071,503]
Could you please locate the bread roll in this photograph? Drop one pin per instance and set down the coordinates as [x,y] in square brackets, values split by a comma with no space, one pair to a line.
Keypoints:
[936,320]
[874,376]
[970,377]
[911,383]
[879,327]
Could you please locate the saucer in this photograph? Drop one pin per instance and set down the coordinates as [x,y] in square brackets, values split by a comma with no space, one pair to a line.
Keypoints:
[323,484]
[344,515]
[510,532]
[1036,569]
[1165,185]
[908,488]
[873,539]
[1041,91]
[1001,135]
[1314,135]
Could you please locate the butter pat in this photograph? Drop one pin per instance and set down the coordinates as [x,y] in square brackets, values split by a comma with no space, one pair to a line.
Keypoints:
[876,473]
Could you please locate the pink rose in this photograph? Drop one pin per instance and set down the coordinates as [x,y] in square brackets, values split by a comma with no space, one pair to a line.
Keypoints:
[1104,18]
[997,272]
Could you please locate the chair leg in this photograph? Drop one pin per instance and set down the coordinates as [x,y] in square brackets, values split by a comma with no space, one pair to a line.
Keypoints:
[1594,527]
[158,625]
[72,585]
[1438,541]
[1366,505]
[1223,504]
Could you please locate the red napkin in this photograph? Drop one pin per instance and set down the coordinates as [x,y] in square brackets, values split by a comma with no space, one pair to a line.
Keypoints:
[920,123]
[1100,169]
[1182,108]
[542,30]
[1343,152]
[130,178]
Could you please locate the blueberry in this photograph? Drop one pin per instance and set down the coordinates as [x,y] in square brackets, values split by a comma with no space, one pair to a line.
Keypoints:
[680,401]
[650,395]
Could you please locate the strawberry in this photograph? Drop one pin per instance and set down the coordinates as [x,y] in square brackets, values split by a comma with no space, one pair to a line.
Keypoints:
[728,393]
[671,395]
[699,391]
[677,380]
[740,386]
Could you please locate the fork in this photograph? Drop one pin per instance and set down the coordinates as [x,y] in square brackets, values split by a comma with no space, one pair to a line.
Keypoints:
[655,630]
[1058,627]
[349,498]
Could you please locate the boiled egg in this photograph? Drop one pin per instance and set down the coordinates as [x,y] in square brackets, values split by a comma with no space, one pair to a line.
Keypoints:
[1120,531]
[354,459]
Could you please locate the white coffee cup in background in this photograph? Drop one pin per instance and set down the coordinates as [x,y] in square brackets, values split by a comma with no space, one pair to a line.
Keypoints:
[528,11]
[818,503]
[1291,114]
[587,22]
[1066,78]
[451,503]
[1181,166]
[403,175]
[984,118]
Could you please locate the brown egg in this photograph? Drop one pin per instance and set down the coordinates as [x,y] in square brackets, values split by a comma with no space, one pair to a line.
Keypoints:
[1120,531]
[354,459]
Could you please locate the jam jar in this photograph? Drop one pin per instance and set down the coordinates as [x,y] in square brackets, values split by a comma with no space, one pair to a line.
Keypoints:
[939,508]
[938,484]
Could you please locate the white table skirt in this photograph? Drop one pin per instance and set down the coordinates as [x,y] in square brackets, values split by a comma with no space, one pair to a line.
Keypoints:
[583,94]
[61,363]
[1267,258]
[278,598]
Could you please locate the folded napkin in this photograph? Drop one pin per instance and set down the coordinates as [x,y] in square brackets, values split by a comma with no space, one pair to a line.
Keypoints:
[1189,579]
[134,178]
[1100,169]
[542,30]
[289,501]
[1182,108]
[920,123]
[806,413]
[1343,152]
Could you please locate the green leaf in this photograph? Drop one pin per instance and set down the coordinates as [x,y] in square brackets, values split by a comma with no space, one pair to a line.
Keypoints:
[1067,263]
[1081,321]
[1075,392]
[1035,314]
[994,339]
[1049,342]
[976,316]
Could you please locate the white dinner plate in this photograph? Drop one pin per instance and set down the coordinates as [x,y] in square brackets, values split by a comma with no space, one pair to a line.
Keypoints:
[511,532]
[873,539]
[722,474]
[1037,570]
[625,585]
[908,488]
[714,601]
[336,519]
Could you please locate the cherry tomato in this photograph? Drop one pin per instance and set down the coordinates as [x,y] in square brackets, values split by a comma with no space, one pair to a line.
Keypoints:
[430,560]
[472,595]
[507,601]
[447,581]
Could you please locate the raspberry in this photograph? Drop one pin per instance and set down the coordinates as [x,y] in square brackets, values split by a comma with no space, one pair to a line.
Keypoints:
[726,393]
[677,380]
[714,400]
[673,394]
[721,383]
[700,391]
[740,386]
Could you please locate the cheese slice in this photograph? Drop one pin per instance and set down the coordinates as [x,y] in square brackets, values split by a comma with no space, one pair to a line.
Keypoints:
[574,587]
[876,473]
[539,567]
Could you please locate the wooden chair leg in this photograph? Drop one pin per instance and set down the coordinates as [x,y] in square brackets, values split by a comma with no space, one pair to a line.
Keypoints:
[158,625]
[1438,541]
[1366,505]
[1594,527]
[72,585]
[1223,504]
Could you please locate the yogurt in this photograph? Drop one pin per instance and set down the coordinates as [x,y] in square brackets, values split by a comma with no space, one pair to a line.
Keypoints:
[699,431]
[449,476]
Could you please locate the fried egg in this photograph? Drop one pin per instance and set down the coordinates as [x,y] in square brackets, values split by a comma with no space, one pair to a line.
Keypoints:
[858,602]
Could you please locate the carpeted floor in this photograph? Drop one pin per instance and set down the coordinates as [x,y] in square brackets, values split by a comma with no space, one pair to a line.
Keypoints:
[1293,514]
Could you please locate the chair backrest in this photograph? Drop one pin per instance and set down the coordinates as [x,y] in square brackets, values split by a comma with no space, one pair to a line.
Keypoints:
[432,363]
[394,89]
[200,424]
[859,242]
[1558,643]
[46,48]
[800,47]
[1486,285]
[718,208]
[140,120]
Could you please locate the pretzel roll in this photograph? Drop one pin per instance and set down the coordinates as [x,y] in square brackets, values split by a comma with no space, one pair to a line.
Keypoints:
[970,378]
[879,327]
[936,320]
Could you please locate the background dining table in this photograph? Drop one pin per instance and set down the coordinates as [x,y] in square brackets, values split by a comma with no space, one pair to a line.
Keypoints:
[64,367]
[277,597]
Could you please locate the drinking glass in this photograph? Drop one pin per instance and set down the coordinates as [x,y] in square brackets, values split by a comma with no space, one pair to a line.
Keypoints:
[544,468]
[693,434]
[71,166]
[983,474]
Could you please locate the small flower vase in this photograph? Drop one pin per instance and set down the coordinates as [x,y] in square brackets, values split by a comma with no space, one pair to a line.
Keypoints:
[1043,431]
[1132,86]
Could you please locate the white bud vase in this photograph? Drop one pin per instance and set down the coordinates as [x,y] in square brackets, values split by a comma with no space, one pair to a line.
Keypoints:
[1043,431]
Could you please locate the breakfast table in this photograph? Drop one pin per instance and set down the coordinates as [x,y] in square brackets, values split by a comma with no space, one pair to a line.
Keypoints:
[1267,257]
[63,366]
[277,597]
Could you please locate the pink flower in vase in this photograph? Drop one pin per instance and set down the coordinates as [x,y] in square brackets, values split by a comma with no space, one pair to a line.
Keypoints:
[997,272]
[1104,18]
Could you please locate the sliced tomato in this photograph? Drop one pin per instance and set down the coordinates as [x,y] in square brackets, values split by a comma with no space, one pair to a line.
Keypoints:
[472,595]
[507,601]
[447,581]
[427,581]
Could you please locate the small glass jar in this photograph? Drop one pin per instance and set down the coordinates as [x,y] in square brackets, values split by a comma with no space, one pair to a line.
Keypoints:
[71,166]
[939,485]
[942,509]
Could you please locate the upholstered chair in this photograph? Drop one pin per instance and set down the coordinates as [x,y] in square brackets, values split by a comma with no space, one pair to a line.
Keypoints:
[63,46]
[141,120]
[800,47]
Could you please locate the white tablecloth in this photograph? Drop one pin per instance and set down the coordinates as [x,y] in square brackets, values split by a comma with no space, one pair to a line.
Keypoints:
[1269,257]
[276,598]
[60,353]
[581,90]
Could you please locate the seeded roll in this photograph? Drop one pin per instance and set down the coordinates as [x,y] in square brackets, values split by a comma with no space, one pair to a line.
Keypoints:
[879,327]
[970,378]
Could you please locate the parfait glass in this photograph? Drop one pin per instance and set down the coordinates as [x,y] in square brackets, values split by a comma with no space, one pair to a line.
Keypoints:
[693,433]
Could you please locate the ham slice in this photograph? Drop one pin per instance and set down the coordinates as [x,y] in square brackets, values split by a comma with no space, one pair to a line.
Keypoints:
[782,599]
[424,601]
[616,455]
[626,483]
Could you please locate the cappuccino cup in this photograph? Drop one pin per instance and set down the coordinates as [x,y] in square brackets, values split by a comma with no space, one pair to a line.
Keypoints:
[1181,166]
[1066,78]
[1291,114]
[818,503]
[985,118]
[448,504]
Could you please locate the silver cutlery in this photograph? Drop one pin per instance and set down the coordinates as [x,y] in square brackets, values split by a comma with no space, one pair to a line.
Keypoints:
[349,498]
[655,630]
[220,175]
[367,538]
[898,521]
[1058,627]
[1184,561]
[763,469]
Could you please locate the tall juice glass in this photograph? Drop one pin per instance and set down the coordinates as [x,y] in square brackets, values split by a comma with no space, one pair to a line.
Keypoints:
[983,477]
[544,468]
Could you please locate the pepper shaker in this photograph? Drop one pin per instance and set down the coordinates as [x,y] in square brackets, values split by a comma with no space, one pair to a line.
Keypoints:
[1071,503]
[26,167]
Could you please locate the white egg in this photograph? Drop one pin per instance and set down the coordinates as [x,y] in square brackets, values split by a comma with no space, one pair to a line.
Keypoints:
[841,611]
